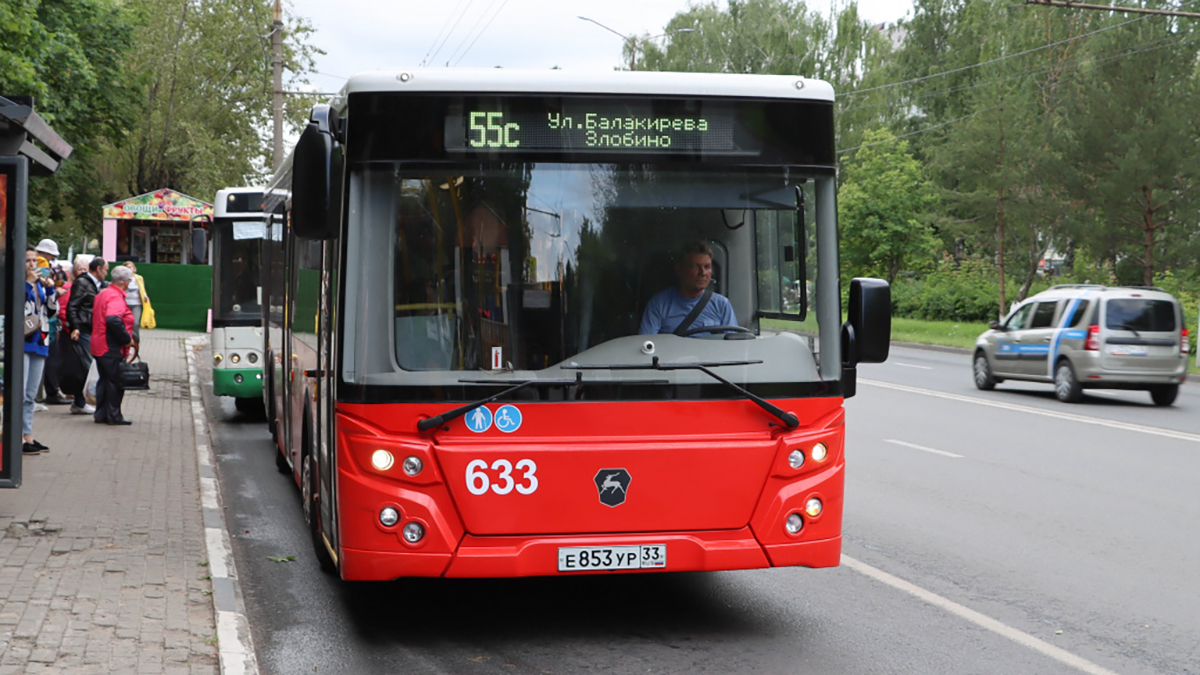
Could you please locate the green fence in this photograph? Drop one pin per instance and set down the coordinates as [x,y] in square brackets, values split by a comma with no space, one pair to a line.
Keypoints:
[181,294]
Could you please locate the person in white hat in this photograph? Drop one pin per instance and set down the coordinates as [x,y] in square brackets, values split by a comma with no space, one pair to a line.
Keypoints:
[47,254]
[47,250]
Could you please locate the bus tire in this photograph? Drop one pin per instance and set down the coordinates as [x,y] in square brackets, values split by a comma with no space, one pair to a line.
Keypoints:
[312,510]
[248,406]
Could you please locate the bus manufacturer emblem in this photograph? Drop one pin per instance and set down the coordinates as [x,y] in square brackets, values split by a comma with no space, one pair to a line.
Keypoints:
[613,485]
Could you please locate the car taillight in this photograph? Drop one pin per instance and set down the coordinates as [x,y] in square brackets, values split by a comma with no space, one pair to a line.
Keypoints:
[1185,345]
[1092,344]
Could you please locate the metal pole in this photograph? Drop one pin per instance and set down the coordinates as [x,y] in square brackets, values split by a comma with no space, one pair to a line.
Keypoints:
[277,83]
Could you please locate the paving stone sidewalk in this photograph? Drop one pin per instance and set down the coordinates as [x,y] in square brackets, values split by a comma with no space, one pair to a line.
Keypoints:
[102,549]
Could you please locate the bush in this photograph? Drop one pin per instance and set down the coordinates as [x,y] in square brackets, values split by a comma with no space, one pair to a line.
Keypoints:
[964,290]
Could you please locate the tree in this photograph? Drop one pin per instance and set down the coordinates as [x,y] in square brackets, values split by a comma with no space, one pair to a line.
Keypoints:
[70,56]
[1136,167]
[779,37]
[204,67]
[883,209]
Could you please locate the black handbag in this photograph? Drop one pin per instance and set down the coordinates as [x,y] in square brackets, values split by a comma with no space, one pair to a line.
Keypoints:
[135,374]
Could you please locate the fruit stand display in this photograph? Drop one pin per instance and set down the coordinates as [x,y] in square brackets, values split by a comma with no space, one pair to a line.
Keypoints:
[163,226]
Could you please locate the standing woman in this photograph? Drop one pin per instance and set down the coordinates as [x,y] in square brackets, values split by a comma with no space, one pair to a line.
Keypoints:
[40,303]
[135,297]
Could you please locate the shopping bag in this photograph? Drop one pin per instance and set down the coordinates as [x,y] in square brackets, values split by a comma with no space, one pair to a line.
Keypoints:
[74,371]
[148,316]
[92,378]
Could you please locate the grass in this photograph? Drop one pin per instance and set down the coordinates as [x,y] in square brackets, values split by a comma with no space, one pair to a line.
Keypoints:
[945,333]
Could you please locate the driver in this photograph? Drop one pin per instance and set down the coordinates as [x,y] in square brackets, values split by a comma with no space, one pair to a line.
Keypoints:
[668,310]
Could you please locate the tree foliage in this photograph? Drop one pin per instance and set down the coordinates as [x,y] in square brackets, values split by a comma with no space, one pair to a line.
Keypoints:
[70,55]
[884,210]
[205,69]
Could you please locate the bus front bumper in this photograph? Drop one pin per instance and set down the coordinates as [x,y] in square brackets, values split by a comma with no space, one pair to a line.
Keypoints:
[238,382]
[479,557]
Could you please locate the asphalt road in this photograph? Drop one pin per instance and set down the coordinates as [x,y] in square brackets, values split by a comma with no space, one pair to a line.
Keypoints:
[985,532]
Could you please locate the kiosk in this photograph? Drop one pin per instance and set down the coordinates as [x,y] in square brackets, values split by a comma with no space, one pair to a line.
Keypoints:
[163,226]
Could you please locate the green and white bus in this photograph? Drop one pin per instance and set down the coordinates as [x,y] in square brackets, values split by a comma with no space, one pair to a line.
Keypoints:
[238,232]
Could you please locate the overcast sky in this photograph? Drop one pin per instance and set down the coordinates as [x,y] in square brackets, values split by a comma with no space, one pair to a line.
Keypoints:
[362,35]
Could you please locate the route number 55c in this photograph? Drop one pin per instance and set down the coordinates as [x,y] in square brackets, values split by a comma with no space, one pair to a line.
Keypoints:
[492,131]
[502,482]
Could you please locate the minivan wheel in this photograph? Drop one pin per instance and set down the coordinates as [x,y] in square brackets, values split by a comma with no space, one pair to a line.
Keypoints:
[983,373]
[1164,394]
[1066,387]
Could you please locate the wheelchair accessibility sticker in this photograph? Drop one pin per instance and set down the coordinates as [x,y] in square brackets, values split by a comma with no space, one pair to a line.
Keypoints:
[508,418]
[479,420]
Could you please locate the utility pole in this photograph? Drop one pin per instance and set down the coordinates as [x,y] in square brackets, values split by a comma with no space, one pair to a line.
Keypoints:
[277,82]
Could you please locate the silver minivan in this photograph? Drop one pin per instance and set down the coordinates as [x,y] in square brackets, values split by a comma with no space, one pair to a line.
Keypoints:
[1089,337]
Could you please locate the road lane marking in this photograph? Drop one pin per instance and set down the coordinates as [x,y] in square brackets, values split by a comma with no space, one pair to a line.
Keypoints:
[1020,637]
[1124,426]
[912,365]
[914,446]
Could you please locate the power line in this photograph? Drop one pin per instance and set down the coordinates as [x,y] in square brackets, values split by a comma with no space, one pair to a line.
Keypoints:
[451,31]
[466,37]
[489,23]
[1079,72]
[995,60]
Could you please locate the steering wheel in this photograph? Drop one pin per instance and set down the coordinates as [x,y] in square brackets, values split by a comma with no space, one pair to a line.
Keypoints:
[714,329]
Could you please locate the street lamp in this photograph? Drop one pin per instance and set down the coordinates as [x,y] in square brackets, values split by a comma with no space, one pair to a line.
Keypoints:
[631,41]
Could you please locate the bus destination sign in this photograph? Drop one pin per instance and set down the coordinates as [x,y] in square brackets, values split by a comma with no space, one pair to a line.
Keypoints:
[585,126]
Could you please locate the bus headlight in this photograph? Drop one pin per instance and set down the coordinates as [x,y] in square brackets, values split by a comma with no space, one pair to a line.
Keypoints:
[382,460]
[813,507]
[794,524]
[388,516]
[234,358]
[413,465]
[252,357]
[820,452]
[796,459]
[217,358]
[413,532]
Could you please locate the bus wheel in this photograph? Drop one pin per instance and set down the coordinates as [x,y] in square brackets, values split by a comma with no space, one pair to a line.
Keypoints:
[312,515]
[1164,394]
[248,406]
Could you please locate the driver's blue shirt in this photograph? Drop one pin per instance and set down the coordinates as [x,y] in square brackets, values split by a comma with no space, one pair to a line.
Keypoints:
[667,309]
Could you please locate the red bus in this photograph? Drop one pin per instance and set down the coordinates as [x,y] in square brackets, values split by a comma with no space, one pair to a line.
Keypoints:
[549,323]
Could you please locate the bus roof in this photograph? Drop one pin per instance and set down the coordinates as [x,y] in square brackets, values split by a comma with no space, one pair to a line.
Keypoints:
[501,80]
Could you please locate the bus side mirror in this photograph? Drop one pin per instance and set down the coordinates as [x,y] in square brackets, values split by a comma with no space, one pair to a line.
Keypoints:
[312,179]
[867,333]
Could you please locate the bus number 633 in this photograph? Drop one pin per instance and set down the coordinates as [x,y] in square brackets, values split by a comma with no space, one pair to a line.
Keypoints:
[479,480]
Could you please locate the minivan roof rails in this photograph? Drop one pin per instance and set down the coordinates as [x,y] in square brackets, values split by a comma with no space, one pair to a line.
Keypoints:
[1063,286]
[1146,288]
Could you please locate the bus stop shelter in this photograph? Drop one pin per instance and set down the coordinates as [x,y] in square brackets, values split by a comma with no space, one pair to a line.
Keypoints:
[28,147]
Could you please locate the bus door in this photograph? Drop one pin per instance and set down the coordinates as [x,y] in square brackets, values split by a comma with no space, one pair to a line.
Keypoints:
[326,442]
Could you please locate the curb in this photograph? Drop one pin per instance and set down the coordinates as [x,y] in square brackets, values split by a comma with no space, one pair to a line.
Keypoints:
[234,643]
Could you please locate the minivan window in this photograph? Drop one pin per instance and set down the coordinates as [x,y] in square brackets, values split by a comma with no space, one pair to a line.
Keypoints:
[1080,312]
[1019,318]
[1043,316]
[1140,314]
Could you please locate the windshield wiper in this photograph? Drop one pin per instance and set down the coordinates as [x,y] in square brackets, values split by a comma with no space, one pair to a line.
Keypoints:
[438,420]
[1129,327]
[789,420]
